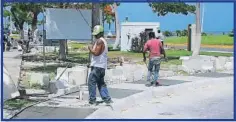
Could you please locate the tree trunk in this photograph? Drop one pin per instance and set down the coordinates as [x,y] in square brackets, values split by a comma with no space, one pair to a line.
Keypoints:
[21,34]
[62,47]
[67,50]
[95,14]
[197,45]
[117,25]
[34,21]
[62,50]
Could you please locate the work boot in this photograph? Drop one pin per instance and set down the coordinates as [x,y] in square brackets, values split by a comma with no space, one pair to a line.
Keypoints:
[108,102]
[92,102]
[157,83]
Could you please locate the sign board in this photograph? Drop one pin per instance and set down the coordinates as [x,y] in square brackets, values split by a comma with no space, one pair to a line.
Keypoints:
[71,24]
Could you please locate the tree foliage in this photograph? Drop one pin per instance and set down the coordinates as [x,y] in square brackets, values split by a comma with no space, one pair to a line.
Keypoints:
[164,8]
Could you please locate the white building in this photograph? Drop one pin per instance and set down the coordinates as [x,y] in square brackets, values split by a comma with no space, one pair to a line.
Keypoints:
[132,29]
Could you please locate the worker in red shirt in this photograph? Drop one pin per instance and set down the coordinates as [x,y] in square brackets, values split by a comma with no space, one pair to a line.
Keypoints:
[155,48]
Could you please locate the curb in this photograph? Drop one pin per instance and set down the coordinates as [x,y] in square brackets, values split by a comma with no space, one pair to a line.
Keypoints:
[128,102]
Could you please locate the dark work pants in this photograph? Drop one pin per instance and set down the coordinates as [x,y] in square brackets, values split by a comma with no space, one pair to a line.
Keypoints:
[96,77]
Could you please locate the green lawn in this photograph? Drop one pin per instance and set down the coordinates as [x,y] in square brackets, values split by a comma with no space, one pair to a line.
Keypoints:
[18,103]
[75,45]
[169,53]
[208,40]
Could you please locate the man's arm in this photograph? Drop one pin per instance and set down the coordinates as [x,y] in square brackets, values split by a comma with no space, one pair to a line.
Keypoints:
[98,49]
[162,50]
[144,51]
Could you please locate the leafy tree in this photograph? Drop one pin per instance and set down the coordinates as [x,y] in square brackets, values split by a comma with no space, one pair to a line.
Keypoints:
[184,32]
[204,34]
[20,15]
[163,9]
[178,32]
[231,34]
[167,33]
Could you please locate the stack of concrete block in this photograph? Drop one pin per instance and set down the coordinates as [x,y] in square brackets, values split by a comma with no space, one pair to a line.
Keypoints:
[206,63]
[125,73]
[74,76]
[77,76]
[70,80]
[198,64]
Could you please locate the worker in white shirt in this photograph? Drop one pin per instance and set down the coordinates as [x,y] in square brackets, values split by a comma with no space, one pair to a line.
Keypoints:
[160,36]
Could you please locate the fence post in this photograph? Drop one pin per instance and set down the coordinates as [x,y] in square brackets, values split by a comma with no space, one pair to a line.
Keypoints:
[189,37]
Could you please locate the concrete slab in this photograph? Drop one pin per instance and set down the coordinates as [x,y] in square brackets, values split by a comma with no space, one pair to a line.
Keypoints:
[114,93]
[163,82]
[55,113]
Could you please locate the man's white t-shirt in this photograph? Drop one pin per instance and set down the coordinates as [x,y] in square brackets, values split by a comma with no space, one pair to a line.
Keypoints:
[160,36]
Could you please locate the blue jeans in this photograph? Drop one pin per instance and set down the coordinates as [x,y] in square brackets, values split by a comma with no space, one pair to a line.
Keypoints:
[153,63]
[96,77]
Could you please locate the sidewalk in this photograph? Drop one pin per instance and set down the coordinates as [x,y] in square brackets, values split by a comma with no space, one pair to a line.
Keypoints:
[12,61]
[125,95]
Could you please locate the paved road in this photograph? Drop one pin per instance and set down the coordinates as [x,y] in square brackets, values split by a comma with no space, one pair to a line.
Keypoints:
[210,101]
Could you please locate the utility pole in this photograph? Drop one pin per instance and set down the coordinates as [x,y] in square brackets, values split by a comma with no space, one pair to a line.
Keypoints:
[197,45]
[95,21]
[95,14]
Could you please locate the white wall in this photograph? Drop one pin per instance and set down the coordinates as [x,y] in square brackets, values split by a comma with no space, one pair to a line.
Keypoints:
[134,28]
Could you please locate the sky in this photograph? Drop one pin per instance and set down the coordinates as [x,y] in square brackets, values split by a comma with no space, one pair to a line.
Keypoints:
[218,17]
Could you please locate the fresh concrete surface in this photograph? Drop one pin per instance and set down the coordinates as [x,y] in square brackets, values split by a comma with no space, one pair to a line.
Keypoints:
[203,99]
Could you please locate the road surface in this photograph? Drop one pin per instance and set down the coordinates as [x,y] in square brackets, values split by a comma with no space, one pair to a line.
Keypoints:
[212,100]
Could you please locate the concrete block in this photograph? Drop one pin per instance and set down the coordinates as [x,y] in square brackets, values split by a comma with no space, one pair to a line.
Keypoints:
[198,64]
[54,86]
[77,76]
[220,62]
[108,76]
[229,66]
[38,78]
[64,75]
[117,72]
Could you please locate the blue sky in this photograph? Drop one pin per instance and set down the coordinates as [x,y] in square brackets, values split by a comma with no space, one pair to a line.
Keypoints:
[218,17]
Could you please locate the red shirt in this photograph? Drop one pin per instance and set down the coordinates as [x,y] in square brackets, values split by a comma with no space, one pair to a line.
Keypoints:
[154,46]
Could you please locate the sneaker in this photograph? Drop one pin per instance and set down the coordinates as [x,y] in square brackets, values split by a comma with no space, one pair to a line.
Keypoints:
[92,102]
[108,102]
[149,84]
[157,84]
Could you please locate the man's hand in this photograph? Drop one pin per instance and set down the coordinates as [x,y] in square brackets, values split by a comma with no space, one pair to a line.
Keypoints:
[98,49]
[144,59]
